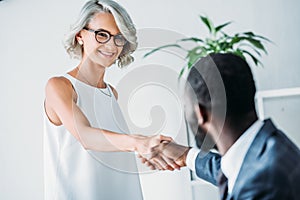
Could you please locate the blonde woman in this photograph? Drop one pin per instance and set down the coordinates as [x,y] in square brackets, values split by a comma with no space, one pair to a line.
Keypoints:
[82,115]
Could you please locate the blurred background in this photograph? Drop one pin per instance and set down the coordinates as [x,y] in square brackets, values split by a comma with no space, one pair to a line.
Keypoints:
[31,51]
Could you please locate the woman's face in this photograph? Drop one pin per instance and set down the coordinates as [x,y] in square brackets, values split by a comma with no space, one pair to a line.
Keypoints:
[103,54]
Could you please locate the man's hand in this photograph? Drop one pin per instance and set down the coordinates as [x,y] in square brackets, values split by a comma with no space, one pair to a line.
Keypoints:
[167,156]
[145,148]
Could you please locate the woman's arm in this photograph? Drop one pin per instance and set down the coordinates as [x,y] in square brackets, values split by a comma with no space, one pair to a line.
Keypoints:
[61,108]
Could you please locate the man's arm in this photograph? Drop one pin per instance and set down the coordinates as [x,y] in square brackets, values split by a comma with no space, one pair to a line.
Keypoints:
[207,166]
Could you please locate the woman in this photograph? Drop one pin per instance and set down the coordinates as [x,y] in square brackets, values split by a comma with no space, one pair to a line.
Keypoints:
[82,116]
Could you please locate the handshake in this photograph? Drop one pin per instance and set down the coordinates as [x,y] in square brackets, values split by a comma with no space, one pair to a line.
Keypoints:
[161,153]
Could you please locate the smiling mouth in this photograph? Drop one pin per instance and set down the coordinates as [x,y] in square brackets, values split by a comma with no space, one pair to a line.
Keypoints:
[106,54]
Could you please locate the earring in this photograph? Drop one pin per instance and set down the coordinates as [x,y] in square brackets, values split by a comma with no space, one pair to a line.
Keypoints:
[80,42]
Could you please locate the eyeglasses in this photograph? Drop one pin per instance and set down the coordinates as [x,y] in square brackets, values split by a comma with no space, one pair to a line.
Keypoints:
[103,36]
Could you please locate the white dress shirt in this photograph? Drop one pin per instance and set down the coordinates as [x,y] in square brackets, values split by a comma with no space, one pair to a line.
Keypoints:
[232,161]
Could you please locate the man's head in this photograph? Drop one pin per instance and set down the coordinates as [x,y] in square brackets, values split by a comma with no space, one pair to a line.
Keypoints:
[220,87]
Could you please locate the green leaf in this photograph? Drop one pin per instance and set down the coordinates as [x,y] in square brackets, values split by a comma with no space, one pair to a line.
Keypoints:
[218,28]
[181,71]
[194,39]
[194,54]
[239,52]
[208,24]
[255,60]
[256,43]
[251,34]
[195,50]
[162,47]
[224,46]
[212,44]
[225,34]
[252,47]
[235,39]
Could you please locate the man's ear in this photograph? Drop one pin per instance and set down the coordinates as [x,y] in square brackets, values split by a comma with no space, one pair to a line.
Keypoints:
[201,114]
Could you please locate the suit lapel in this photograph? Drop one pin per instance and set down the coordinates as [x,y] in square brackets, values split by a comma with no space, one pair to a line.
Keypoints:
[256,149]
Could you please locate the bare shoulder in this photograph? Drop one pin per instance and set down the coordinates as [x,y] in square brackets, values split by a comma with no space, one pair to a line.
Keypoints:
[114,91]
[60,86]
[59,95]
[58,83]
[57,80]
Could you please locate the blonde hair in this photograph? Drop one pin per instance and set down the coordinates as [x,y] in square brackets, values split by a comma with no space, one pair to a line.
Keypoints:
[123,22]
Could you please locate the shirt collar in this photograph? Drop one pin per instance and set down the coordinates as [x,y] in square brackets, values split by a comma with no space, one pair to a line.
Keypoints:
[232,161]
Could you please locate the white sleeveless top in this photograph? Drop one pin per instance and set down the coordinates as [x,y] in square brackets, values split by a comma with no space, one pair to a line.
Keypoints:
[73,173]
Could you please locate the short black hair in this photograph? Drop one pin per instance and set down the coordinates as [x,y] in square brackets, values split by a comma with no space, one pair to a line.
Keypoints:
[237,79]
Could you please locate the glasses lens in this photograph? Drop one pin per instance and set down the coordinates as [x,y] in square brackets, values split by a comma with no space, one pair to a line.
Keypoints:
[102,36]
[119,40]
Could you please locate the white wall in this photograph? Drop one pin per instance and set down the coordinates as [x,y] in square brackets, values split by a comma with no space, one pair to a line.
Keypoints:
[31,51]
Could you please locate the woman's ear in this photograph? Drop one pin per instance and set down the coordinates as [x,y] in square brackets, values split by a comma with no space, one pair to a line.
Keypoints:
[79,38]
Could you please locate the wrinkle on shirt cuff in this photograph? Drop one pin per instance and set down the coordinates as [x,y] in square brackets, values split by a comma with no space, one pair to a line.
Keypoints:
[191,158]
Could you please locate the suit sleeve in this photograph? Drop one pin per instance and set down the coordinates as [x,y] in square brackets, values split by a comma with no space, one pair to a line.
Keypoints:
[207,166]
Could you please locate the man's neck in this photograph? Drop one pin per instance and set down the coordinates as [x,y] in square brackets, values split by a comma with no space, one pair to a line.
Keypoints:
[233,129]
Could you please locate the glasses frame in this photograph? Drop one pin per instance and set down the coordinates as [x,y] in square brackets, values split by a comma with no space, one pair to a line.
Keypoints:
[110,36]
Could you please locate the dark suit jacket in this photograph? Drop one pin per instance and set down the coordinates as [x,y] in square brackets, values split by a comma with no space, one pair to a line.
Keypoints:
[271,168]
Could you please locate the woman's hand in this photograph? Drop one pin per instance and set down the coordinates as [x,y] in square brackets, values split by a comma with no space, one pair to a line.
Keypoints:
[144,144]
[166,156]
[146,147]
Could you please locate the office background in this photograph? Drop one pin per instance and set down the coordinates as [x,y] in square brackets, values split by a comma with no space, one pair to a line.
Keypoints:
[31,51]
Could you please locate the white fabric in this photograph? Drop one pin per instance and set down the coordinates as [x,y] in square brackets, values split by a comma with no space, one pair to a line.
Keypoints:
[191,158]
[73,173]
[233,159]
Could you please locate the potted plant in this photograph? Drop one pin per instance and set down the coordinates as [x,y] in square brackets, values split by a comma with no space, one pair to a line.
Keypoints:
[244,44]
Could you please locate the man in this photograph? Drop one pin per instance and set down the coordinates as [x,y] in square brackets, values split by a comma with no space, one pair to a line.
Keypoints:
[258,160]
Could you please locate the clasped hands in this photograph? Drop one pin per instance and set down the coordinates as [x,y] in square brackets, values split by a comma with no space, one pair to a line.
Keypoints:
[165,155]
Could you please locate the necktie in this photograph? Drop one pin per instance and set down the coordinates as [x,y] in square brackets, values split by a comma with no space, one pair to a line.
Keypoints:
[222,185]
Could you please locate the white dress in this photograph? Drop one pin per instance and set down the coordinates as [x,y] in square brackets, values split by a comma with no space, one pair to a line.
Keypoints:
[73,173]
